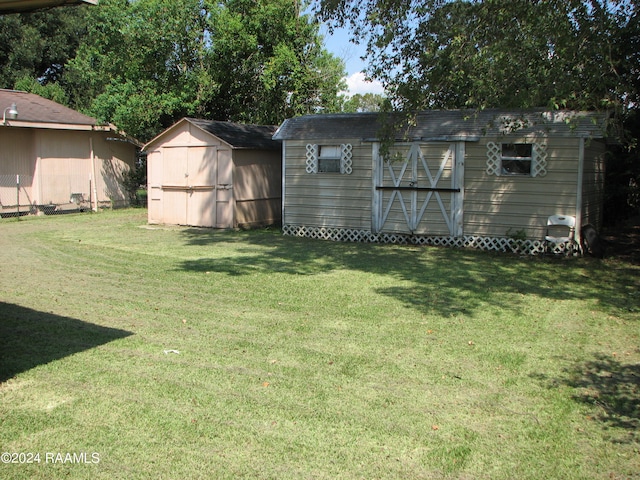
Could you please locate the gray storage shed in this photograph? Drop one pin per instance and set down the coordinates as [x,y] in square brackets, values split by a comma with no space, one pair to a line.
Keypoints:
[488,179]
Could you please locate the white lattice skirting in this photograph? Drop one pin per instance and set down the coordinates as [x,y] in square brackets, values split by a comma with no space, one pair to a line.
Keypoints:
[500,244]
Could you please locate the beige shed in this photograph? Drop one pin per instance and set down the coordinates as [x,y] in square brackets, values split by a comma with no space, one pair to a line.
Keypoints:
[56,159]
[214,174]
[489,179]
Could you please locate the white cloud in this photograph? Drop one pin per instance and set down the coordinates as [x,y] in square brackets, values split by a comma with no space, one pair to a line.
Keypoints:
[356,83]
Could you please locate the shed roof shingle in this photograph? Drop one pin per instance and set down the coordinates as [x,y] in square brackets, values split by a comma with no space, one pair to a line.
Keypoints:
[444,125]
[239,135]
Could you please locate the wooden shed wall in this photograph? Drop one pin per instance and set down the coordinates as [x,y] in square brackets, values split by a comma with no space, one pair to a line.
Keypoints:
[257,184]
[17,157]
[501,206]
[328,199]
[494,206]
[184,156]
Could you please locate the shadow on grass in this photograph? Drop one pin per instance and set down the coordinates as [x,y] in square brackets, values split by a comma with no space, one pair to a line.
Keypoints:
[611,387]
[29,338]
[445,281]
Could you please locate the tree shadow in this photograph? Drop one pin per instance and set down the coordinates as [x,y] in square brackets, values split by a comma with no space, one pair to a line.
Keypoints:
[611,387]
[443,281]
[29,338]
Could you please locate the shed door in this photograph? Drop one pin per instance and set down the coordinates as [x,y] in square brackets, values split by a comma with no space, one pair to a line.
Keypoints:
[420,191]
[188,185]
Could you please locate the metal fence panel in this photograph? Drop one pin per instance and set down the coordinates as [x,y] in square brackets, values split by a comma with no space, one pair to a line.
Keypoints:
[55,194]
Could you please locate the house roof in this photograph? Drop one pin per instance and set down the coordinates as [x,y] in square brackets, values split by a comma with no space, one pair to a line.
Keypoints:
[38,112]
[451,125]
[236,135]
[33,108]
[19,6]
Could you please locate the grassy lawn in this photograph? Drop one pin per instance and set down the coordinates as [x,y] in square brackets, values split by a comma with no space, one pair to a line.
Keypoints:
[167,353]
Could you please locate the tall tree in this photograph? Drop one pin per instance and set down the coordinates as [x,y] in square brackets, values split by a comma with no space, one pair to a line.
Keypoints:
[574,54]
[578,54]
[269,62]
[36,46]
[146,63]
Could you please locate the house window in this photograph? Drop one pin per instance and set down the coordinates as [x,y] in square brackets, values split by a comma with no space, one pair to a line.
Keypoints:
[329,158]
[516,158]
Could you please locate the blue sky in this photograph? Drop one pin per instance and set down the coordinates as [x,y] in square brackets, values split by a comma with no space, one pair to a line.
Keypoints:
[341,47]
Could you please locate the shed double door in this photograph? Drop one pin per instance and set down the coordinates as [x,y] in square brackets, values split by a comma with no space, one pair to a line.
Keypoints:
[196,186]
[420,191]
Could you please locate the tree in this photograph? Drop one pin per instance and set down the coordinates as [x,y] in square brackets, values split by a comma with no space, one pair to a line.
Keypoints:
[369,102]
[498,53]
[147,63]
[35,46]
[572,54]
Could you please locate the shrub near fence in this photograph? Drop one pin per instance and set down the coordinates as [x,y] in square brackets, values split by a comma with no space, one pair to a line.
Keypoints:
[55,194]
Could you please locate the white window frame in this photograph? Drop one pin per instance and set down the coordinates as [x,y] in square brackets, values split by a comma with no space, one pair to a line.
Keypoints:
[340,155]
[538,159]
[510,157]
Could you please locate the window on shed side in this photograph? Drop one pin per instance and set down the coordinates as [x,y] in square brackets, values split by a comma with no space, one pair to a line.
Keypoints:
[516,158]
[329,158]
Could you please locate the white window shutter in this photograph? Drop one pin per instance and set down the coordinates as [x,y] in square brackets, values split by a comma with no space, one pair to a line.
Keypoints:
[312,158]
[539,160]
[494,164]
[346,164]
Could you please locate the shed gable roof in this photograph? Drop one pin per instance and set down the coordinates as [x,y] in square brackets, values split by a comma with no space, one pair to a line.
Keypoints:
[467,125]
[237,135]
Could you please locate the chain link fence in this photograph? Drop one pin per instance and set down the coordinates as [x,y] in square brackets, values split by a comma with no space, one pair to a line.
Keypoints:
[51,195]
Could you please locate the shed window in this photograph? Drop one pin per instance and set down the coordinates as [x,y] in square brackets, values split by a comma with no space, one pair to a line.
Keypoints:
[525,159]
[516,158]
[329,158]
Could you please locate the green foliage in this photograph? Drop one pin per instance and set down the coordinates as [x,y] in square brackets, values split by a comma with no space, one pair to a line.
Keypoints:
[134,180]
[37,45]
[52,91]
[572,54]
[369,102]
[147,63]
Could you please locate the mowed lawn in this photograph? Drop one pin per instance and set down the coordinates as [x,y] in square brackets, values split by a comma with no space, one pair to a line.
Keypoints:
[134,351]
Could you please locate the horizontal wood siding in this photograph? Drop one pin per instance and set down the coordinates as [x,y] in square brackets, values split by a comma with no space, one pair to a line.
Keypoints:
[593,183]
[503,205]
[328,199]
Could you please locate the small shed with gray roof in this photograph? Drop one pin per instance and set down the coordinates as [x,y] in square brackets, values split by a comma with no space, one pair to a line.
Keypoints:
[214,174]
[488,179]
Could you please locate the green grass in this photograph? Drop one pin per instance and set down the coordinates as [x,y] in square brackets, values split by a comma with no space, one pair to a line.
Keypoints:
[305,359]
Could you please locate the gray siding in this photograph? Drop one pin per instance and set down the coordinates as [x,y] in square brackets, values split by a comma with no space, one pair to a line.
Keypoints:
[328,199]
[494,206]
[504,205]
